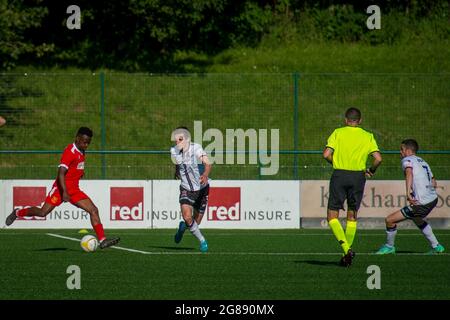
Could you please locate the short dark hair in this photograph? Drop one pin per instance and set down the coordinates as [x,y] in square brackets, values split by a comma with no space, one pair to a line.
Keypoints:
[85,131]
[353,114]
[411,144]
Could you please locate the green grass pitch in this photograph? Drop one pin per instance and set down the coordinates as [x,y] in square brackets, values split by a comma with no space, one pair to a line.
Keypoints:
[241,264]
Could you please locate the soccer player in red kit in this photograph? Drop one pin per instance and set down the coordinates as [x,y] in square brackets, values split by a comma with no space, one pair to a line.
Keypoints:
[66,188]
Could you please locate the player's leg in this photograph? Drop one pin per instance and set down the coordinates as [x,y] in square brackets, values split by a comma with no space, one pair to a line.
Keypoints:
[191,223]
[201,204]
[335,203]
[350,227]
[427,231]
[186,212]
[182,226]
[337,229]
[420,213]
[199,210]
[198,217]
[36,211]
[186,201]
[52,200]
[355,194]
[29,212]
[391,231]
[87,205]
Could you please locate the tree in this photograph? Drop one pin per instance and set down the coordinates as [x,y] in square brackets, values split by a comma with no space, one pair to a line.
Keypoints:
[15,19]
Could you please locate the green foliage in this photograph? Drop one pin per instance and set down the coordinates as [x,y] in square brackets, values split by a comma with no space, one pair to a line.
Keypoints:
[15,20]
[152,35]
[251,24]
[346,23]
[339,23]
[145,35]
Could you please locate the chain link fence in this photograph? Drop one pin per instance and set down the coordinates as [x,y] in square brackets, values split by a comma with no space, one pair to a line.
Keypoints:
[133,115]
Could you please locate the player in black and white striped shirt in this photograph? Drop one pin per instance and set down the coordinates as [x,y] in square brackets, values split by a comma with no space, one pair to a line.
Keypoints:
[421,195]
[194,187]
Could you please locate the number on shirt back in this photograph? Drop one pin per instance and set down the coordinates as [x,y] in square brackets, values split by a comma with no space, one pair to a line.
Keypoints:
[428,172]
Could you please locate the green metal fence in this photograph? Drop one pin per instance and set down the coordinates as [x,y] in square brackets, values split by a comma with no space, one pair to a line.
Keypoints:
[132,116]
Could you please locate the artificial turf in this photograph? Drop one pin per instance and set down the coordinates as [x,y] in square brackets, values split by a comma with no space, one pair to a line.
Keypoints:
[241,264]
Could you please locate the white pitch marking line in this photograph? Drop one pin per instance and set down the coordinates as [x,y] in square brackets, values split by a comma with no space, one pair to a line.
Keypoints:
[316,253]
[131,250]
[114,247]
[249,253]
[156,234]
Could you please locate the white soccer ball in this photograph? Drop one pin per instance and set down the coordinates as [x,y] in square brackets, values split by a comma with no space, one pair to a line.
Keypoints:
[89,243]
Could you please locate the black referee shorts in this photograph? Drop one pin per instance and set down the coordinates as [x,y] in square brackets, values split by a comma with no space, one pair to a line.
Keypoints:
[346,185]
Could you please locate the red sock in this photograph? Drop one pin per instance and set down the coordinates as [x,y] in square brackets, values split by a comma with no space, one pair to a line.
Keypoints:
[22,212]
[100,232]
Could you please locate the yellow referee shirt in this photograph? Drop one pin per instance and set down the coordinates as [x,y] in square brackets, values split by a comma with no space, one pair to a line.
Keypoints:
[352,146]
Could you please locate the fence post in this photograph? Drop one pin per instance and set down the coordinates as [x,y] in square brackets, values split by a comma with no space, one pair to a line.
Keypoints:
[102,122]
[296,76]
[259,166]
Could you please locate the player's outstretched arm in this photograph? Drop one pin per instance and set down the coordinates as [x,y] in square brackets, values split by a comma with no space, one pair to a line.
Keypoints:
[2,121]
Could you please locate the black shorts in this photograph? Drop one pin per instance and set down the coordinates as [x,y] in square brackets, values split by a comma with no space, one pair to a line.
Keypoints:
[346,185]
[197,199]
[419,211]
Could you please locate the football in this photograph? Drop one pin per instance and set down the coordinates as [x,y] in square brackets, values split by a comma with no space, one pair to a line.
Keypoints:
[89,243]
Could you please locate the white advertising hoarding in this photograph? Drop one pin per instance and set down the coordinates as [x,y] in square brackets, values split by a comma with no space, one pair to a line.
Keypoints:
[121,204]
[233,205]
[381,197]
[129,203]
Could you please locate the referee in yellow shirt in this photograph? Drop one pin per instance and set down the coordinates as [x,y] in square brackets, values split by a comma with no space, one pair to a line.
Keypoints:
[347,150]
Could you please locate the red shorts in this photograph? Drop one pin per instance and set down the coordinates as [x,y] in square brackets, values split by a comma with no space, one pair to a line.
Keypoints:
[54,197]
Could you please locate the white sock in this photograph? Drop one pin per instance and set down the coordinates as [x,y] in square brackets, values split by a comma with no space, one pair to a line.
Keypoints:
[391,233]
[428,233]
[195,230]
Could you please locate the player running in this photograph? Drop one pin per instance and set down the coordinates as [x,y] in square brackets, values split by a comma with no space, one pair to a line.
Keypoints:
[194,188]
[66,188]
[421,194]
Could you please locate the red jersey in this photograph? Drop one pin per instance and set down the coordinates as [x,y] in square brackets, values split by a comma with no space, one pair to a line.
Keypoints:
[73,160]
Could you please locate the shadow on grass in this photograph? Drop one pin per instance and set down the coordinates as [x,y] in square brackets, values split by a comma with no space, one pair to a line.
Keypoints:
[320,263]
[54,249]
[172,248]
